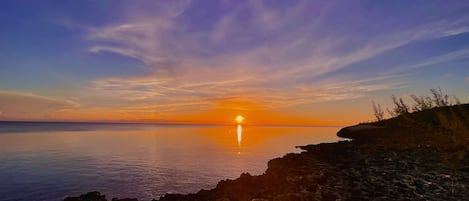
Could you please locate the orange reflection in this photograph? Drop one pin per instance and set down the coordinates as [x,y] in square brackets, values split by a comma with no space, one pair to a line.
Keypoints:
[240,134]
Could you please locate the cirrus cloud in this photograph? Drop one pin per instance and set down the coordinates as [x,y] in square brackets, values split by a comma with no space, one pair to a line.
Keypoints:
[269,55]
[28,106]
[259,54]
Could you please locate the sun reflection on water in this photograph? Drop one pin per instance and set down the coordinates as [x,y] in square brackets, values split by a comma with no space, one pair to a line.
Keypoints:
[240,134]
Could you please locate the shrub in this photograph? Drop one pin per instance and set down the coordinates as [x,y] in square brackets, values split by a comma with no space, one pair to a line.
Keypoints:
[378,112]
[439,98]
[421,103]
[400,107]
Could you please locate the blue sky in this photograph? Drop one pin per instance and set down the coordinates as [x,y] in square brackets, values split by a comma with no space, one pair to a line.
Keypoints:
[309,61]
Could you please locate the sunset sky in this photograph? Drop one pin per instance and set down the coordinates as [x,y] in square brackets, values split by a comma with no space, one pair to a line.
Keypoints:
[274,62]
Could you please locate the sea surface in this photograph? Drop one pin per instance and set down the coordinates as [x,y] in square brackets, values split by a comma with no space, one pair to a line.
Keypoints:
[49,161]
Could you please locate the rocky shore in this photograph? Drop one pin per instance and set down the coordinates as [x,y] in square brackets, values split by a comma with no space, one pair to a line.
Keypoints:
[346,171]
[341,171]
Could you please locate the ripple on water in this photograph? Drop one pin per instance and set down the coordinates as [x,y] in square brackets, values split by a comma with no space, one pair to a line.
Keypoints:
[138,162]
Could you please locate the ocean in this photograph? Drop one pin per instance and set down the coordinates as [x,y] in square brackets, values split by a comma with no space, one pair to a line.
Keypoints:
[49,161]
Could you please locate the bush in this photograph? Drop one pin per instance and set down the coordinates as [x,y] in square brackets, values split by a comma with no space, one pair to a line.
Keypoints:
[400,107]
[378,112]
[439,98]
[421,103]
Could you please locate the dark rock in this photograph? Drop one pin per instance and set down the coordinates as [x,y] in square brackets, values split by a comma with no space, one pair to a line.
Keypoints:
[124,199]
[91,196]
[95,196]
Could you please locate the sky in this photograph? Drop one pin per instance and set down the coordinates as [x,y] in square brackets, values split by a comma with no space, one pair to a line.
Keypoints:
[274,62]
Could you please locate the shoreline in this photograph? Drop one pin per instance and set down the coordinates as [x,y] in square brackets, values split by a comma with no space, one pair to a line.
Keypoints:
[339,171]
[345,171]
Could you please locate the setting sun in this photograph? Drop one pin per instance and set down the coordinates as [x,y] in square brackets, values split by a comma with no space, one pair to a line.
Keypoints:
[239,119]
[173,100]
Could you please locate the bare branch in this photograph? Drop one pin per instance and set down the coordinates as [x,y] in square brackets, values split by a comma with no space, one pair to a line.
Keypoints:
[378,112]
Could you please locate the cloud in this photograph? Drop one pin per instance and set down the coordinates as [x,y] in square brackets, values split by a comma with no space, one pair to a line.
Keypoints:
[432,60]
[451,56]
[268,38]
[255,52]
[467,78]
[19,105]
[121,51]
[151,95]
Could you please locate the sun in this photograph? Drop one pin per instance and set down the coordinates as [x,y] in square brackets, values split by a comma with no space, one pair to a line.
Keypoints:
[239,119]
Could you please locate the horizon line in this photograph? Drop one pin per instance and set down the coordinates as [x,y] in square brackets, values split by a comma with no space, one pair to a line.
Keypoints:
[162,123]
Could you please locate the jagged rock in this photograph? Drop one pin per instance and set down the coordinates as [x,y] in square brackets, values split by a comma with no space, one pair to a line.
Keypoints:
[95,196]
[91,196]
[125,199]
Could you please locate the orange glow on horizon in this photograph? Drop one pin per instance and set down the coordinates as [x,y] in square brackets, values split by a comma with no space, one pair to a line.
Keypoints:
[218,113]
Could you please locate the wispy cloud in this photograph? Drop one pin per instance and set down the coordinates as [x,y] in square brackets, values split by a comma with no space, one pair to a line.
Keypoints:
[19,105]
[431,61]
[150,95]
[451,56]
[275,56]
[157,59]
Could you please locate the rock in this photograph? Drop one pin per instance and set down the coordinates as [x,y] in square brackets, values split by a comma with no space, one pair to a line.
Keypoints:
[95,196]
[124,199]
[91,196]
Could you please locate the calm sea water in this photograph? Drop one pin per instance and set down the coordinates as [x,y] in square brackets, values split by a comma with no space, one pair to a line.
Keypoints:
[49,161]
